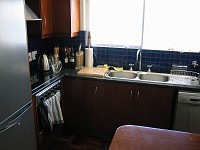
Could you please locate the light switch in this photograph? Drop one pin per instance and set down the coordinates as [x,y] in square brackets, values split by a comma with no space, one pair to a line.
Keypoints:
[34,53]
[29,57]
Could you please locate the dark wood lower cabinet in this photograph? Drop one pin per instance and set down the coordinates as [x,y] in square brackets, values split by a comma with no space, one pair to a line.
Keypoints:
[115,106]
[153,106]
[103,106]
[79,97]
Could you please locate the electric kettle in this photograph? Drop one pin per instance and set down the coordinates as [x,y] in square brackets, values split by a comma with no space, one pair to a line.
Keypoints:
[43,63]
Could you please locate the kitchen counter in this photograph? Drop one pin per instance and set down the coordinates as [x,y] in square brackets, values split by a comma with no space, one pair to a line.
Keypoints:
[144,138]
[178,84]
[47,79]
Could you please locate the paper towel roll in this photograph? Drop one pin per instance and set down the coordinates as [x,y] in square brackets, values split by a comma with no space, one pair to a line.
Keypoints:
[89,57]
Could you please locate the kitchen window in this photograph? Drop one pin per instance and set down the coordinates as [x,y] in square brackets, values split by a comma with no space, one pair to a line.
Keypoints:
[172,25]
[116,23]
[168,24]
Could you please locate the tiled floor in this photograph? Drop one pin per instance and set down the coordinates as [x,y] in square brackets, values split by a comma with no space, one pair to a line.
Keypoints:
[80,142]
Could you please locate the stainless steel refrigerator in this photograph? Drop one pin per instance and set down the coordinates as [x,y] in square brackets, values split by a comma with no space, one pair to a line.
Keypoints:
[16,115]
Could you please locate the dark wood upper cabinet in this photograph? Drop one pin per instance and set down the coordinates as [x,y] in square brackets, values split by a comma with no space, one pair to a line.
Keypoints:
[59,18]
[47,18]
[40,28]
[66,17]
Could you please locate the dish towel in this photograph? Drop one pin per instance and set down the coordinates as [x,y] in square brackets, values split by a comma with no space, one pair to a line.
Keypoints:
[54,110]
[42,116]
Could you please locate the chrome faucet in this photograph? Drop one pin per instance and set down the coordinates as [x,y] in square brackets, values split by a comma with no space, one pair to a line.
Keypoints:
[139,53]
[195,64]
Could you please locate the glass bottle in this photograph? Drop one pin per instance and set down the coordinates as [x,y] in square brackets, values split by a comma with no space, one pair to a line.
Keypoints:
[66,59]
[72,60]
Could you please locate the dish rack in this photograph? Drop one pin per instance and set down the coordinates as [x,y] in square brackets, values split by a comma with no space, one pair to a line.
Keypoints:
[185,77]
[185,73]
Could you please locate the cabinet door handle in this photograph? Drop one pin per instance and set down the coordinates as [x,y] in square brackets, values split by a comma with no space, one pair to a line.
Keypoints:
[96,90]
[138,94]
[45,22]
[131,93]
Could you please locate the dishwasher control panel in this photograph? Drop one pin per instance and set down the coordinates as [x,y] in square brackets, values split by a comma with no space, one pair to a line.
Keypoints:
[189,97]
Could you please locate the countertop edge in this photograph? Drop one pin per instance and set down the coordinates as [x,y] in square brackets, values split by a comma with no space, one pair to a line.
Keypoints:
[73,74]
[163,84]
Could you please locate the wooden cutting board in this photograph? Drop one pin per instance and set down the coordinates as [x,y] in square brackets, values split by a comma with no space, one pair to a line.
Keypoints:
[92,72]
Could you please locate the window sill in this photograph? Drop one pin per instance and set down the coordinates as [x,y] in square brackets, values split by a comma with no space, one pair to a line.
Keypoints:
[116,46]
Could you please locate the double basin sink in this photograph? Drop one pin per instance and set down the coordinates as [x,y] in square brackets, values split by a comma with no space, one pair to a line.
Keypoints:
[136,75]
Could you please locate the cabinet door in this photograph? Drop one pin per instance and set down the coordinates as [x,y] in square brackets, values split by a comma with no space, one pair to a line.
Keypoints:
[153,106]
[115,106]
[46,15]
[79,97]
[66,17]
[41,28]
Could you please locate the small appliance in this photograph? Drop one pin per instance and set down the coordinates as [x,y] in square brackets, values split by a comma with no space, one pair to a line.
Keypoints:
[43,63]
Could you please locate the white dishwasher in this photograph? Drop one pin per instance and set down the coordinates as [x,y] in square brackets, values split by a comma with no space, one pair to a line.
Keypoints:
[187,117]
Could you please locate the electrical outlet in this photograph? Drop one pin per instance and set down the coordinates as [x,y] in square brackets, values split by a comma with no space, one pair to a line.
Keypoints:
[29,57]
[34,53]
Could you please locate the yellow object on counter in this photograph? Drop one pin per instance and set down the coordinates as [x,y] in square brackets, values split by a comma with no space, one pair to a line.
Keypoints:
[118,68]
[115,68]
[106,66]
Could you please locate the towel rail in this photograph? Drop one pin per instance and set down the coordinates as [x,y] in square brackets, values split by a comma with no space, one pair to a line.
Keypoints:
[48,91]
[43,127]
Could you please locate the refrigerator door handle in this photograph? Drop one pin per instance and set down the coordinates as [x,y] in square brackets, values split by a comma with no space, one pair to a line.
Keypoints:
[9,126]
[15,118]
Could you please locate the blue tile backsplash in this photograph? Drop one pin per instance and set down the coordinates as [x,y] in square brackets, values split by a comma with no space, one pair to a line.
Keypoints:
[161,61]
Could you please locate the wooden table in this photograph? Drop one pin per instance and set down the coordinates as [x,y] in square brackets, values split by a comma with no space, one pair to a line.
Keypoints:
[130,137]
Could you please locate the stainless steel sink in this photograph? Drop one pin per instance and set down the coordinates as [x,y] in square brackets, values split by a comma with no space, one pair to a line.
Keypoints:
[153,77]
[125,74]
